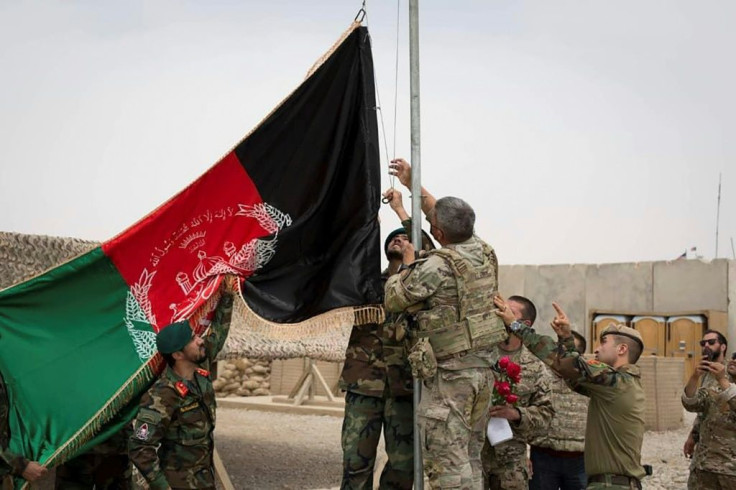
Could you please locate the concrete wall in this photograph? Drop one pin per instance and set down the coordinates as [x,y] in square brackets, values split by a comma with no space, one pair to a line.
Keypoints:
[732,300]
[662,287]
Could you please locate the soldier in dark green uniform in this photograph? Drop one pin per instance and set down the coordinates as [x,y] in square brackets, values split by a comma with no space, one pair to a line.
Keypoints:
[378,384]
[615,427]
[178,412]
[12,464]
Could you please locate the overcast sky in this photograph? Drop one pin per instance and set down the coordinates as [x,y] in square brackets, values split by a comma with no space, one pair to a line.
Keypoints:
[583,132]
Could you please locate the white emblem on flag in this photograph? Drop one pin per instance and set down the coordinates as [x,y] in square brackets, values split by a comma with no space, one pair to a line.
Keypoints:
[137,314]
[199,284]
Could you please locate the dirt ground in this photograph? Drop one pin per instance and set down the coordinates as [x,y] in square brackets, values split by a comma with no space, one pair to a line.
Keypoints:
[265,451]
[270,451]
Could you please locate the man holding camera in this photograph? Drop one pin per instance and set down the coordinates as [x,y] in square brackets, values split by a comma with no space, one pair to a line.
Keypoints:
[714,459]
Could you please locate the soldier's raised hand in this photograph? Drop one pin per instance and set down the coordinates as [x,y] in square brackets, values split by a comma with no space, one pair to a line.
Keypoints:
[560,323]
[717,369]
[394,199]
[503,310]
[401,169]
[230,283]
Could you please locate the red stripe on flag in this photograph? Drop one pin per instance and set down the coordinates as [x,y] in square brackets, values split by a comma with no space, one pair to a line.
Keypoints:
[172,257]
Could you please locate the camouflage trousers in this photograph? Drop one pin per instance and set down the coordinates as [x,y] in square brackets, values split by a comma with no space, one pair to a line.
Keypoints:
[452,422]
[705,479]
[365,417]
[505,465]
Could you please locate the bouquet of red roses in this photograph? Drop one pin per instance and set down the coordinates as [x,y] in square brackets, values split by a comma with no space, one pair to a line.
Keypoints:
[507,374]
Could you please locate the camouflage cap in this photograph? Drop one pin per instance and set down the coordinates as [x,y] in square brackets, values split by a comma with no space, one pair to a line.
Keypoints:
[621,329]
[173,337]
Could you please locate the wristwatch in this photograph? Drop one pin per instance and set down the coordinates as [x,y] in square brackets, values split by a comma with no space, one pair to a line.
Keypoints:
[515,326]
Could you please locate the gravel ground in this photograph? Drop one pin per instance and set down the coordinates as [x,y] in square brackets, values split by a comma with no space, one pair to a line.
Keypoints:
[265,451]
[269,451]
[663,450]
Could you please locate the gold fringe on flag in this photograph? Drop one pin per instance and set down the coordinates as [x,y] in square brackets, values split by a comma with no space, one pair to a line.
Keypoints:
[137,383]
[322,337]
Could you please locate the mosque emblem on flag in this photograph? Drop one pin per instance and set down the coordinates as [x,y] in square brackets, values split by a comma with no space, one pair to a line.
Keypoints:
[196,285]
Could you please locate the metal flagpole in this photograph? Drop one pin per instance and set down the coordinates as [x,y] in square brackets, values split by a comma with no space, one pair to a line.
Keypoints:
[416,201]
[718,213]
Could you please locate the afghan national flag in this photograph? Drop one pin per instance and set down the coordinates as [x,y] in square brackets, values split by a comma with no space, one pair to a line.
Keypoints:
[292,208]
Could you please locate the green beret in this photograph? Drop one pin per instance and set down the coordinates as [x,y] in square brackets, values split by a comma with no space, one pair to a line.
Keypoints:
[173,337]
[397,231]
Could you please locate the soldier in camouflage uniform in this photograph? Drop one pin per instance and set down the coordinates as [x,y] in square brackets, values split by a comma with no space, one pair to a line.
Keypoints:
[557,454]
[378,382]
[449,294]
[615,425]
[12,464]
[714,460]
[505,465]
[173,442]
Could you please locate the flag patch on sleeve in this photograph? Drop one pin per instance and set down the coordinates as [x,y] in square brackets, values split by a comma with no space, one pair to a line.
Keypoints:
[142,432]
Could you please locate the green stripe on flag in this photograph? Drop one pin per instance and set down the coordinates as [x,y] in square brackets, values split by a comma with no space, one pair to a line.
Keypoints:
[75,322]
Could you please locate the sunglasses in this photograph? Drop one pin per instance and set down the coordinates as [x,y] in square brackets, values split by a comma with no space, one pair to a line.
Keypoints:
[709,342]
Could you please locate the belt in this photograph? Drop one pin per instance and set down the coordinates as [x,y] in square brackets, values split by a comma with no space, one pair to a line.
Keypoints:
[457,355]
[629,481]
[558,454]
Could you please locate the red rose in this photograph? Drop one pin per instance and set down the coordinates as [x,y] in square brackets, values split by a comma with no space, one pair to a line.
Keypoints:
[513,370]
[503,388]
[504,362]
[511,399]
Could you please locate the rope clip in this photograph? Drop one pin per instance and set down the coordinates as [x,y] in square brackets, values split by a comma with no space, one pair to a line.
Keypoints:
[361,14]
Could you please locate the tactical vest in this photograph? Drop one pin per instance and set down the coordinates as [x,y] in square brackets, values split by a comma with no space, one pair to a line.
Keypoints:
[566,431]
[471,323]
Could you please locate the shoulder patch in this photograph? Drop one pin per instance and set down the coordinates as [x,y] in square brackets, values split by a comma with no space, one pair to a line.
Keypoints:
[596,363]
[203,372]
[142,432]
[181,388]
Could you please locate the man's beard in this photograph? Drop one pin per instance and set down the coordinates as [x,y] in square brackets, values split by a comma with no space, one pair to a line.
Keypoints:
[711,355]
[201,356]
[394,254]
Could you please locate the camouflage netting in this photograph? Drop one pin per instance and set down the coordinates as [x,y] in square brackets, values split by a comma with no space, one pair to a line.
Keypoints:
[323,337]
[24,256]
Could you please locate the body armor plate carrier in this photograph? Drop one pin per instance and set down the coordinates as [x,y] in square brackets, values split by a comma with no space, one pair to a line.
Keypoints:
[470,325]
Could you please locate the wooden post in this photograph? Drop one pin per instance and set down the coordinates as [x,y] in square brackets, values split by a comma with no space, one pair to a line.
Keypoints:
[221,472]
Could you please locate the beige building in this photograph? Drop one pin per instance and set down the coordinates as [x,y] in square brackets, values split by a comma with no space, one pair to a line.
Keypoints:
[669,302]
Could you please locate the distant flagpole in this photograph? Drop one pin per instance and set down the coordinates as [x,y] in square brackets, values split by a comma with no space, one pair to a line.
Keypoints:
[718,213]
